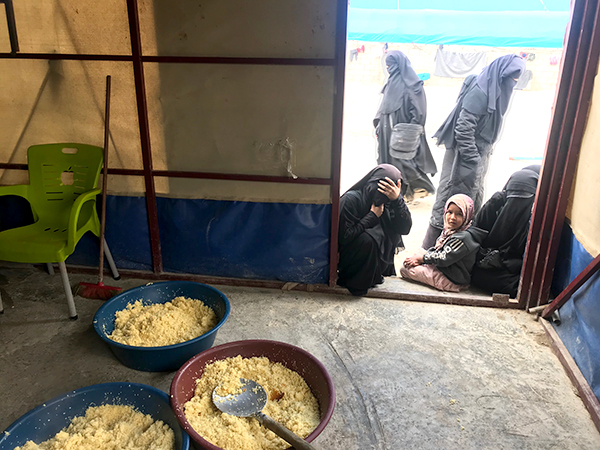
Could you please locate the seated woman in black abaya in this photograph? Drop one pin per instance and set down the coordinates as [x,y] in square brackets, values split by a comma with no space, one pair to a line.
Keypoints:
[373,218]
[506,216]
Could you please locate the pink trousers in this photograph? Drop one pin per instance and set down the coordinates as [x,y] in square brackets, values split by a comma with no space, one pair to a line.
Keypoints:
[430,275]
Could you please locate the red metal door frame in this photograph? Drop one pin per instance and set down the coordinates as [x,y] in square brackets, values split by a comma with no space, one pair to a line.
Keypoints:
[578,70]
[336,145]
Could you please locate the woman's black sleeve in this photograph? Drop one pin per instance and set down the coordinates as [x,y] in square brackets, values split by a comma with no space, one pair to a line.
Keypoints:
[400,216]
[351,224]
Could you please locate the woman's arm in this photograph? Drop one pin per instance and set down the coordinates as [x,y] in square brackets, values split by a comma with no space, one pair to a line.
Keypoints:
[351,223]
[417,106]
[469,158]
[400,215]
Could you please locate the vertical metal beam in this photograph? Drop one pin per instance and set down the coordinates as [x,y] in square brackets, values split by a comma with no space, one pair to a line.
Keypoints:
[576,85]
[562,91]
[590,54]
[338,123]
[12,26]
[142,107]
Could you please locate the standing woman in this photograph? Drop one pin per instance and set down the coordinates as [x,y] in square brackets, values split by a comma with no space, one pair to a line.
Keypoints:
[469,134]
[373,218]
[404,102]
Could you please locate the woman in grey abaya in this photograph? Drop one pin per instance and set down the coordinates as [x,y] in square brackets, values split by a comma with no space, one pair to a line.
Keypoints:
[404,102]
[469,134]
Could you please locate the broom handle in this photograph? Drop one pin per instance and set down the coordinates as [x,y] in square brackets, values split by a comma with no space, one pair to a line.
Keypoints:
[104,182]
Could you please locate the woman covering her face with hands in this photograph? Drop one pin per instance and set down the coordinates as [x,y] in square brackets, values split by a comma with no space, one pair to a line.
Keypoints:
[373,218]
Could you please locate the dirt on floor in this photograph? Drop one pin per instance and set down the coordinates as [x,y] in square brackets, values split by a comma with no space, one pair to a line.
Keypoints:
[408,375]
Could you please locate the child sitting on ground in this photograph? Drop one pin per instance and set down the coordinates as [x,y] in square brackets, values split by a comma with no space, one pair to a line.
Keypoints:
[447,266]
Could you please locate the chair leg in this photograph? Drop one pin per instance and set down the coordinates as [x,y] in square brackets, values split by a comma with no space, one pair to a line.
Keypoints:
[65,279]
[111,262]
[50,267]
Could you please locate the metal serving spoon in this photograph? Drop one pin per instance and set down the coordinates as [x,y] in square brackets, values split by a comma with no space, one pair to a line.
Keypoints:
[249,403]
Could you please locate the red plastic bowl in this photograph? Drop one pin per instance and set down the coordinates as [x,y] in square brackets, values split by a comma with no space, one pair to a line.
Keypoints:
[294,358]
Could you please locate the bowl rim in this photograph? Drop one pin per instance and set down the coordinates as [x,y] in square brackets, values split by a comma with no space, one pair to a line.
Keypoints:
[185,438]
[178,408]
[213,330]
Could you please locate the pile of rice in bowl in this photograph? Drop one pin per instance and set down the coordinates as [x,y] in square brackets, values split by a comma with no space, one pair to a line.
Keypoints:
[162,324]
[110,427]
[290,402]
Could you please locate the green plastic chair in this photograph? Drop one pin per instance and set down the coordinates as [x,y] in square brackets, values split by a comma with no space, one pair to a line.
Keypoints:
[62,190]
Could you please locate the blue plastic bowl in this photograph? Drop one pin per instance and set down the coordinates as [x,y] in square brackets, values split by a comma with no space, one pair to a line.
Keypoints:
[171,357]
[44,421]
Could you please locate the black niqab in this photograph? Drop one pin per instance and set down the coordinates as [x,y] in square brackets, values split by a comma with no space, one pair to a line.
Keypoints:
[402,77]
[497,81]
[523,184]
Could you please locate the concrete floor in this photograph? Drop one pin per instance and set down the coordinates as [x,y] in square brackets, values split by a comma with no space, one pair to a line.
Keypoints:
[408,375]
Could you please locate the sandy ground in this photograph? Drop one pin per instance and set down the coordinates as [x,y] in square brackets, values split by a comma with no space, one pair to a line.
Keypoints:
[521,143]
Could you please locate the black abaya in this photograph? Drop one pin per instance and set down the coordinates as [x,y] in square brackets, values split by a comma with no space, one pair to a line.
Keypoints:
[506,215]
[367,243]
[404,102]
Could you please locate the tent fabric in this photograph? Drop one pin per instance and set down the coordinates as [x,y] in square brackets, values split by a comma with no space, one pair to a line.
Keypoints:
[458,64]
[542,29]
[270,241]
[466,5]
[580,316]
[127,235]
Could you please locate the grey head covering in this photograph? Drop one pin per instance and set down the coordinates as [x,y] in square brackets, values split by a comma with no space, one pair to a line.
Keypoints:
[497,81]
[402,77]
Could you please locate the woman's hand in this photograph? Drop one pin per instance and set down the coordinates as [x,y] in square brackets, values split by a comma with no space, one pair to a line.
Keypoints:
[389,188]
[413,261]
[378,210]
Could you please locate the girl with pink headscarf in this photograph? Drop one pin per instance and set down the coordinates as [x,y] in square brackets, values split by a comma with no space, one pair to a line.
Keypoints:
[448,264]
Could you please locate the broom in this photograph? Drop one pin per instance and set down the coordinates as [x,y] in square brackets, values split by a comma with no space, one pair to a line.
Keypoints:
[99,290]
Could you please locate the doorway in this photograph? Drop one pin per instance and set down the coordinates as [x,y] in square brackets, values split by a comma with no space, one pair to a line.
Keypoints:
[523,137]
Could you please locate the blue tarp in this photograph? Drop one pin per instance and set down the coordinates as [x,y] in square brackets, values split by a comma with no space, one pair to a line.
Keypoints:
[268,241]
[466,5]
[494,24]
[580,316]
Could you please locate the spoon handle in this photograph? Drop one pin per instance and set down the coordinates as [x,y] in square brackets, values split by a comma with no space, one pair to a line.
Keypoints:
[283,432]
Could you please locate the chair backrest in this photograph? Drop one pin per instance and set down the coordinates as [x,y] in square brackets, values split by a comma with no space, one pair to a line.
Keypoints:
[59,173]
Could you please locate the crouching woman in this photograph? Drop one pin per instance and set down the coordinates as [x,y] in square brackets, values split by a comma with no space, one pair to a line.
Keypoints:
[447,266]
[373,218]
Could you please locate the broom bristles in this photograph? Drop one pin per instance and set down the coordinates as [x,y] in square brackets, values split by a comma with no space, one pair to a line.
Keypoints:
[97,291]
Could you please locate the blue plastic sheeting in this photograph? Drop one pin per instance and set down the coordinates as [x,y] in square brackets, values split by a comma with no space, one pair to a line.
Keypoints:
[126,233]
[580,316]
[487,28]
[270,241]
[466,5]
[14,212]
